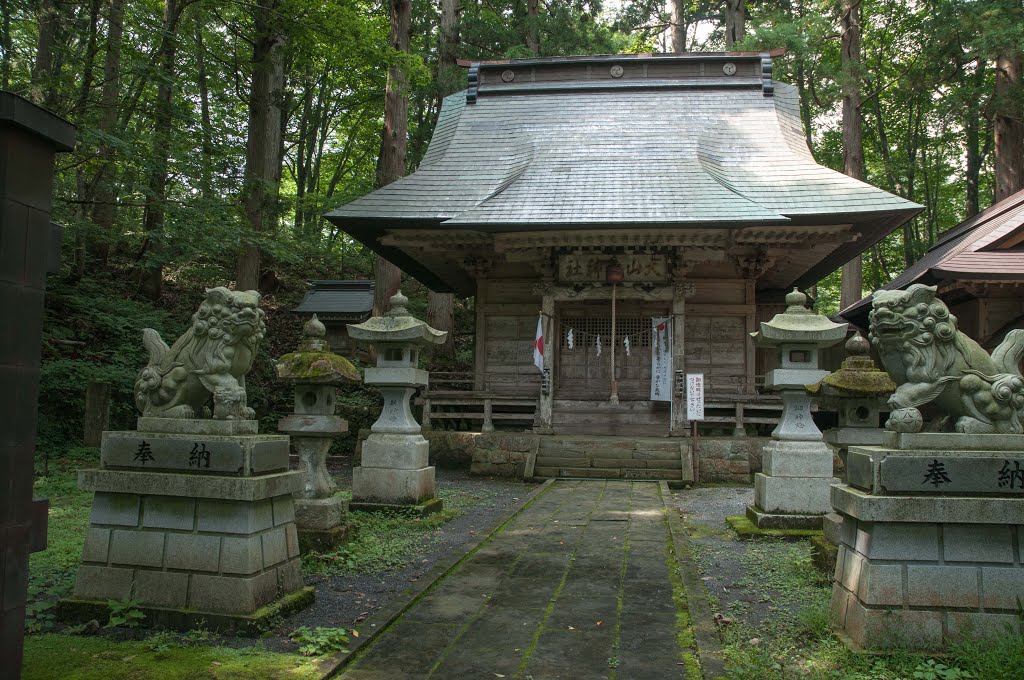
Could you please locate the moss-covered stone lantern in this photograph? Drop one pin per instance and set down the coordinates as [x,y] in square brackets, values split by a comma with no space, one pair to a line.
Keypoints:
[395,468]
[316,372]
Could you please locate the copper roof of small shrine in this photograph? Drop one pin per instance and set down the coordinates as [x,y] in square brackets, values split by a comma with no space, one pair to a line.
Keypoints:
[987,247]
[338,298]
[693,140]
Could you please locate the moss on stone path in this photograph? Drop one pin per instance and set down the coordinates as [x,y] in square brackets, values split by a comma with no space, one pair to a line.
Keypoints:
[96,658]
[580,584]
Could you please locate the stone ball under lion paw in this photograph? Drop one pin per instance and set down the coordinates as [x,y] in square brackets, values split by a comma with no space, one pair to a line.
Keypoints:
[905,420]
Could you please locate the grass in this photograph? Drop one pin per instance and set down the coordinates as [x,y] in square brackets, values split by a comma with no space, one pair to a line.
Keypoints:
[52,571]
[387,541]
[795,639]
[95,658]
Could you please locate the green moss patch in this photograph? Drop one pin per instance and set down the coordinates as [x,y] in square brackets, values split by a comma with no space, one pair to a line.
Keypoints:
[94,658]
[744,528]
[315,367]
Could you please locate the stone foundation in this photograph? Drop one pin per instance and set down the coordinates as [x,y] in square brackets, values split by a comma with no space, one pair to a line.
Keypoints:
[507,454]
[199,522]
[214,555]
[926,568]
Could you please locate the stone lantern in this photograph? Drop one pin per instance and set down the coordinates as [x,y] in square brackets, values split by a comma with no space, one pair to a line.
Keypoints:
[395,469]
[316,373]
[856,392]
[792,492]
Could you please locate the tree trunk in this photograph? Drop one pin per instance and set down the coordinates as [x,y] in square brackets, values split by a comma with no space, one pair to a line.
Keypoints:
[206,125]
[532,19]
[5,45]
[441,315]
[151,269]
[1009,127]
[262,151]
[679,25]
[48,19]
[103,212]
[853,143]
[735,22]
[391,161]
[972,140]
[448,71]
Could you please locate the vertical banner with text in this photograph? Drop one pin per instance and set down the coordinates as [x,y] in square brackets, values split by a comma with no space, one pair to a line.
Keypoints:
[661,358]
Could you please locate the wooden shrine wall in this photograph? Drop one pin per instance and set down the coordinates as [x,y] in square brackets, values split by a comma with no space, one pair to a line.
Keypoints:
[720,315]
[506,325]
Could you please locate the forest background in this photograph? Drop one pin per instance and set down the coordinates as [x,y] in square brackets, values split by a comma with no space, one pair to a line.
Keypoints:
[213,136]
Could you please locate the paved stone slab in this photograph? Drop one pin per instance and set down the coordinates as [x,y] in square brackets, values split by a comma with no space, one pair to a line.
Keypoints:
[562,592]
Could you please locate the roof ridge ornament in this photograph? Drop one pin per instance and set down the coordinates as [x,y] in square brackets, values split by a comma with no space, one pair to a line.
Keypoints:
[474,80]
[767,84]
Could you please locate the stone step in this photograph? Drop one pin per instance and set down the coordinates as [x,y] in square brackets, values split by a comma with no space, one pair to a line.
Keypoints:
[608,473]
[610,443]
[592,462]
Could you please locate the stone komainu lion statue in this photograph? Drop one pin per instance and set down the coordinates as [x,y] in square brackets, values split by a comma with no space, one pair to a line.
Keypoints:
[211,358]
[934,363]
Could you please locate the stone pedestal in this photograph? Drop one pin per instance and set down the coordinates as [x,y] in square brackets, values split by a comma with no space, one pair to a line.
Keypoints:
[192,519]
[792,491]
[394,471]
[930,545]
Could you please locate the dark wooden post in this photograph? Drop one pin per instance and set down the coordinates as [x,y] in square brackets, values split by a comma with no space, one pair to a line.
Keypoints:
[29,139]
[97,412]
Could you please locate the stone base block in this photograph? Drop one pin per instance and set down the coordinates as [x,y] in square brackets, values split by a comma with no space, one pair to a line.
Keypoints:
[395,451]
[325,540]
[213,544]
[400,487]
[831,526]
[796,459]
[923,583]
[79,610]
[767,520]
[421,510]
[793,495]
[320,513]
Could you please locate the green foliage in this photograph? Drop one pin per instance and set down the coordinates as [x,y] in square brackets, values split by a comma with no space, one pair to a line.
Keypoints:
[934,670]
[124,613]
[388,541]
[320,641]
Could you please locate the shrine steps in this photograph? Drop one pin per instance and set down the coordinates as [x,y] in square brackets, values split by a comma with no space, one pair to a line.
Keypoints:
[627,418]
[635,458]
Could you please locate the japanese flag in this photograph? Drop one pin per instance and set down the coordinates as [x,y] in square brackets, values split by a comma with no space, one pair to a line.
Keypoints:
[538,345]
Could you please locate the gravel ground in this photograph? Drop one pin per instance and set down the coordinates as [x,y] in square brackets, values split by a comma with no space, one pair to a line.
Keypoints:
[347,601]
[744,576]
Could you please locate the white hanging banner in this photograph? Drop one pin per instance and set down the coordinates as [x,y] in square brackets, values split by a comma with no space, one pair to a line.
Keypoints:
[597,345]
[695,396]
[661,358]
[570,339]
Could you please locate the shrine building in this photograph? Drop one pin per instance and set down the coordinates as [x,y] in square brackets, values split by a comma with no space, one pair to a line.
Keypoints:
[673,193]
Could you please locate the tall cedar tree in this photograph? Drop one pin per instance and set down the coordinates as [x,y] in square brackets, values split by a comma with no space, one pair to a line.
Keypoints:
[853,143]
[263,148]
[391,161]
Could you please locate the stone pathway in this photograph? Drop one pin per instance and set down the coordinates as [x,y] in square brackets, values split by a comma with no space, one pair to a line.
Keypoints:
[577,585]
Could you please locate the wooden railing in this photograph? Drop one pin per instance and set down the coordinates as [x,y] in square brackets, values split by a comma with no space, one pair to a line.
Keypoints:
[453,397]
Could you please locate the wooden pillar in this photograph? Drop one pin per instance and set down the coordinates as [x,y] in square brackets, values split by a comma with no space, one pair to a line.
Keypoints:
[30,137]
[751,326]
[488,425]
[547,388]
[480,341]
[97,413]
[680,426]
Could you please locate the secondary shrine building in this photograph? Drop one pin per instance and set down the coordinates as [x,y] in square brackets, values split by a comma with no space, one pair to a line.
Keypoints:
[650,210]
